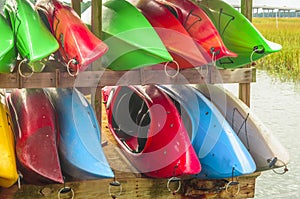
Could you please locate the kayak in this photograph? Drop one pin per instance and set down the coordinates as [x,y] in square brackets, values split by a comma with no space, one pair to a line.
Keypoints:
[263,146]
[125,31]
[148,129]
[8,167]
[219,149]
[79,47]
[238,34]
[177,40]
[80,148]
[199,26]
[8,53]
[36,134]
[33,40]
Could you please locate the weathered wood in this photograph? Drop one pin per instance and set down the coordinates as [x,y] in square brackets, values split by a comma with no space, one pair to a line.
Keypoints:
[244,88]
[76,6]
[55,75]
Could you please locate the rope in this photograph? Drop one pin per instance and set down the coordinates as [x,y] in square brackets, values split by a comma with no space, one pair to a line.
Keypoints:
[244,123]
[177,69]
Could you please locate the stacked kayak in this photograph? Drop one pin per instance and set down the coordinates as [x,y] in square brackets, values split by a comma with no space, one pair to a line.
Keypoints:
[220,151]
[264,147]
[8,51]
[199,26]
[8,167]
[148,129]
[33,40]
[132,41]
[177,40]
[36,134]
[238,34]
[80,148]
[79,47]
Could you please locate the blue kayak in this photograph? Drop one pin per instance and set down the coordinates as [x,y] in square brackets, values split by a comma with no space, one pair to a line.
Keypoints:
[80,148]
[221,153]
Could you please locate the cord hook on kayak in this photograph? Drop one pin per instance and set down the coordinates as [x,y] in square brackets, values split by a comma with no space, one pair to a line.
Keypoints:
[233,183]
[177,69]
[19,69]
[272,164]
[171,180]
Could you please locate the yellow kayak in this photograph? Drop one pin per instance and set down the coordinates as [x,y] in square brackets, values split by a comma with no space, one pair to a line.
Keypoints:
[8,168]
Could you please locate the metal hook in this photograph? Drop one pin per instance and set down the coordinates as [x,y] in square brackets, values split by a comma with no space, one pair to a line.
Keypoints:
[20,176]
[174,179]
[77,68]
[64,190]
[115,183]
[19,69]
[177,69]
[231,183]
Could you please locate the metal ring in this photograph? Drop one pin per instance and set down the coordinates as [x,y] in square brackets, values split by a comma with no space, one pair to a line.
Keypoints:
[117,185]
[20,72]
[177,69]
[228,184]
[62,189]
[173,179]
[68,68]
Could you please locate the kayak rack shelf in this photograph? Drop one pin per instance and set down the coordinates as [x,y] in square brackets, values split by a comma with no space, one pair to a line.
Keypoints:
[55,75]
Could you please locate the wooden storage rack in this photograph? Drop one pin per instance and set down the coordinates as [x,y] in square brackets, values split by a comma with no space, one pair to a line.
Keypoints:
[134,185]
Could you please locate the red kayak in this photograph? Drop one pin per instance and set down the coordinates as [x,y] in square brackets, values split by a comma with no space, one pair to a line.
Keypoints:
[177,40]
[79,47]
[149,130]
[36,135]
[199,26]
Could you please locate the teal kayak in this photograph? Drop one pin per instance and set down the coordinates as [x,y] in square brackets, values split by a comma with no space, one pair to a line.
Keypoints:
[33,39]
[133,42]
[238,34]
[8,51]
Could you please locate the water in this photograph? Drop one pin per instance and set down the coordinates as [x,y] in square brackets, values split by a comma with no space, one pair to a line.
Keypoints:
[277,104]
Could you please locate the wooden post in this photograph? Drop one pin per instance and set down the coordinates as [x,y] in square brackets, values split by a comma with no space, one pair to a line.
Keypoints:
[244,88]
[96,22]
[76,6]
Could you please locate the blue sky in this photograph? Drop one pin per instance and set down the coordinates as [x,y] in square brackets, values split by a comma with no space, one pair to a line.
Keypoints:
[287,3]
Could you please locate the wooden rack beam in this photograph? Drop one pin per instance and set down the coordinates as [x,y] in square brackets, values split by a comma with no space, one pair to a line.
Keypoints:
[58,77]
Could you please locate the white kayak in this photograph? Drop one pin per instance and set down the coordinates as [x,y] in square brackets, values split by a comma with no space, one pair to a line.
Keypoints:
[264,147]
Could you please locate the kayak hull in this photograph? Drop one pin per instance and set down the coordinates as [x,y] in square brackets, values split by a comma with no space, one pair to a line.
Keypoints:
[219,149]
[263,146]
[199,26]
[36,135]
[8,167]
[80,148]
[78,45]
[238,34]
[124,31]
[33,40]
[8,51]
[148,129]
[177,40]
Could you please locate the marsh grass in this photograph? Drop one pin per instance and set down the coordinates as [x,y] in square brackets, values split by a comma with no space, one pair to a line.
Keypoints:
[284,64]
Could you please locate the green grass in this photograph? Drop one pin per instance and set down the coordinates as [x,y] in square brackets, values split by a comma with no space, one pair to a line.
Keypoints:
[286,31]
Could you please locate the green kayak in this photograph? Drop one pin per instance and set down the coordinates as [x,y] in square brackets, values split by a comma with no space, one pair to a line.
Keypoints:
[8,51]
[238,34]
[133,42]
[33,39]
